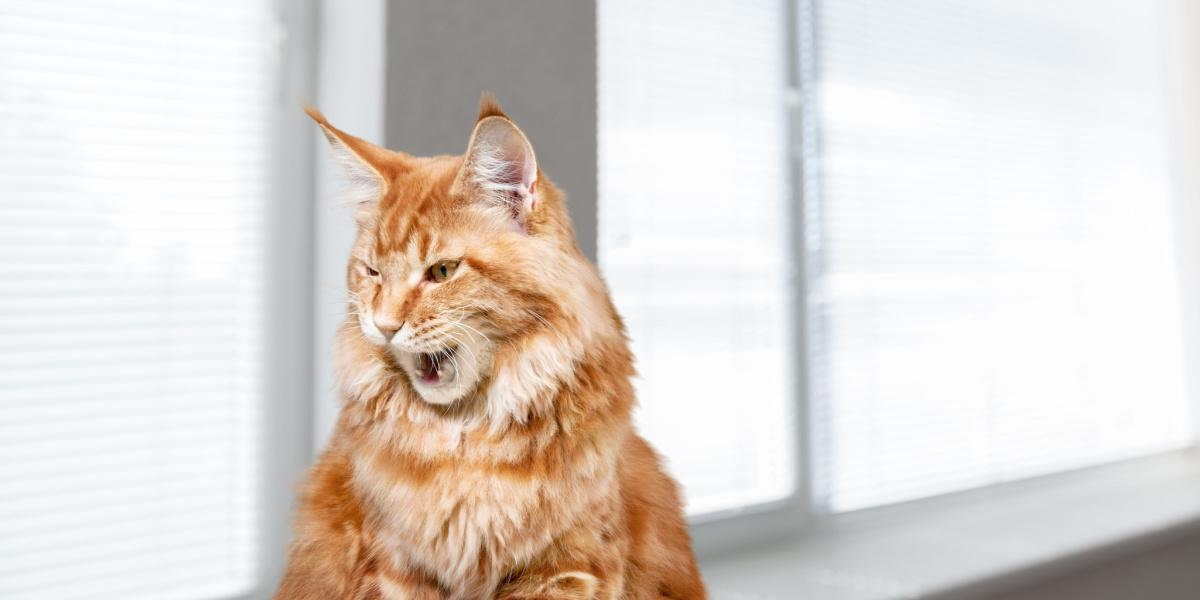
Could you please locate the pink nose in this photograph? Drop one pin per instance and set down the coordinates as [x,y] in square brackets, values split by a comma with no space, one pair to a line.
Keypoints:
[387,326]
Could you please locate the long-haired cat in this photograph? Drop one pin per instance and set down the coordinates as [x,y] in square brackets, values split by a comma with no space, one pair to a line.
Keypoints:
[484,447]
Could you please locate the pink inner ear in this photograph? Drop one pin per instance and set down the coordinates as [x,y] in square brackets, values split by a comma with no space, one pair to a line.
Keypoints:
[505,167]
[522,180]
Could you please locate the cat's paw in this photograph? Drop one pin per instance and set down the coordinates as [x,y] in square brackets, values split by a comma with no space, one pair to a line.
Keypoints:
[407,587]
[574,584]
[569,585]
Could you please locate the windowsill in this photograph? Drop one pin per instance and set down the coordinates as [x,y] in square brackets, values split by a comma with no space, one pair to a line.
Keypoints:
[976,544]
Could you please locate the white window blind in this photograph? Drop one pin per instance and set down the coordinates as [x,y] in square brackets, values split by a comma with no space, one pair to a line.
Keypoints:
[694,238]
[132,203]
[994,295]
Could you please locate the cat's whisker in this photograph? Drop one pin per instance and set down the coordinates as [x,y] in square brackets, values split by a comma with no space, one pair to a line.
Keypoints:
[459,343]
[539,317]
[457,366]
[437,336]
[551,328]
[469,329]
[425,328]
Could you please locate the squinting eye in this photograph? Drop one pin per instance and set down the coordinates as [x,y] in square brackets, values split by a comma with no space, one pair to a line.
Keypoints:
[372,272]
[442,270]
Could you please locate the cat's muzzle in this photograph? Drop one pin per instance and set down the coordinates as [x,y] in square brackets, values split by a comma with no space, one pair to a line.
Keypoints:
[436,368]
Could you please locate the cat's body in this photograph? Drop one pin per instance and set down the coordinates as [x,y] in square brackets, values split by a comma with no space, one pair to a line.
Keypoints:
[511,470]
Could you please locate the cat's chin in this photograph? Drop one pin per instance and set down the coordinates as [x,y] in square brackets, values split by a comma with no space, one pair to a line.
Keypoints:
[438,396]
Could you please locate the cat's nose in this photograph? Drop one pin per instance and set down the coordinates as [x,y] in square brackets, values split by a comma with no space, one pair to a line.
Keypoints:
[387,326]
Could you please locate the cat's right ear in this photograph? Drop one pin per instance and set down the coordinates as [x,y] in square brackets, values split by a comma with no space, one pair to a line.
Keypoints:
[369,168]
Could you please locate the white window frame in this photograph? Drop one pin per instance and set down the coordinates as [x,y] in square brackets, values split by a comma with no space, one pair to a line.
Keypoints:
[287,437]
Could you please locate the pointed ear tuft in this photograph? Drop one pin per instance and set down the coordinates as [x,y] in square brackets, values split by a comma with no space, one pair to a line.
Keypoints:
[489,107]
[501,168]
[315,115]
[368,167]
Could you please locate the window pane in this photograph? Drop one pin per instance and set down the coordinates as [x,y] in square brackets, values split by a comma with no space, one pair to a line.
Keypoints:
[131,256]
[695,236]
[995,295]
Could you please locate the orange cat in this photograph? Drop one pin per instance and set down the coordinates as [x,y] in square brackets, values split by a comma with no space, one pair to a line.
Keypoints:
[484,448]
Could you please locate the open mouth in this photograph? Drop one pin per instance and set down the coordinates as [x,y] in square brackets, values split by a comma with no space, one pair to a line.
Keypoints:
[435,368]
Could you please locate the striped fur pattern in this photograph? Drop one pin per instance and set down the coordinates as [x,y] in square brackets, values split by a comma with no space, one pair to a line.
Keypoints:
[484,447]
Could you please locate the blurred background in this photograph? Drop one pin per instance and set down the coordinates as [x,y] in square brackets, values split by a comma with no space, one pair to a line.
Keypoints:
[937,259]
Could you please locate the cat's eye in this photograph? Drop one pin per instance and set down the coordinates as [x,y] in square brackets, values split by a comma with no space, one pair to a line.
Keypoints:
[371,272]
[442,270]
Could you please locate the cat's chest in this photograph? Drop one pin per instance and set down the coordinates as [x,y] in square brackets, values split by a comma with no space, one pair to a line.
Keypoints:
[464,524]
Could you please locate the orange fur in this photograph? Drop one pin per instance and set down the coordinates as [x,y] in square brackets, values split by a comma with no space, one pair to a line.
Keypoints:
[519,475]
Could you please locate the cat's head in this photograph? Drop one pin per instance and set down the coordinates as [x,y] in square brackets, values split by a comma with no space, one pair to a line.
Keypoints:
[462,260]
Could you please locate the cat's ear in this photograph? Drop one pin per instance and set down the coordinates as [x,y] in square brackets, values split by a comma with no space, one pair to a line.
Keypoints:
[368,167]
[500,167]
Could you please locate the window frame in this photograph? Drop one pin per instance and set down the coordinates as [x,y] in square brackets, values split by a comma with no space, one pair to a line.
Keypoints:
[286,439]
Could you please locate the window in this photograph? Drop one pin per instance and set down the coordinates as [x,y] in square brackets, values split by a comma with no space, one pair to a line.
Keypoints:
[136,144]
[994,294]
[694,237]
[990,289]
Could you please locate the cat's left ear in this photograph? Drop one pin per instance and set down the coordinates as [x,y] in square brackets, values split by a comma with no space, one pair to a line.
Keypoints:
[501,169]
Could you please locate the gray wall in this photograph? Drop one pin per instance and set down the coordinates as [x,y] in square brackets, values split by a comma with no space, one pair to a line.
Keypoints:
[537,56]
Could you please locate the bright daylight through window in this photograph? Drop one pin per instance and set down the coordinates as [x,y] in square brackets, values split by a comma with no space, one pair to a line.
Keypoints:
[994,293]
[695,240]
[135,145]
